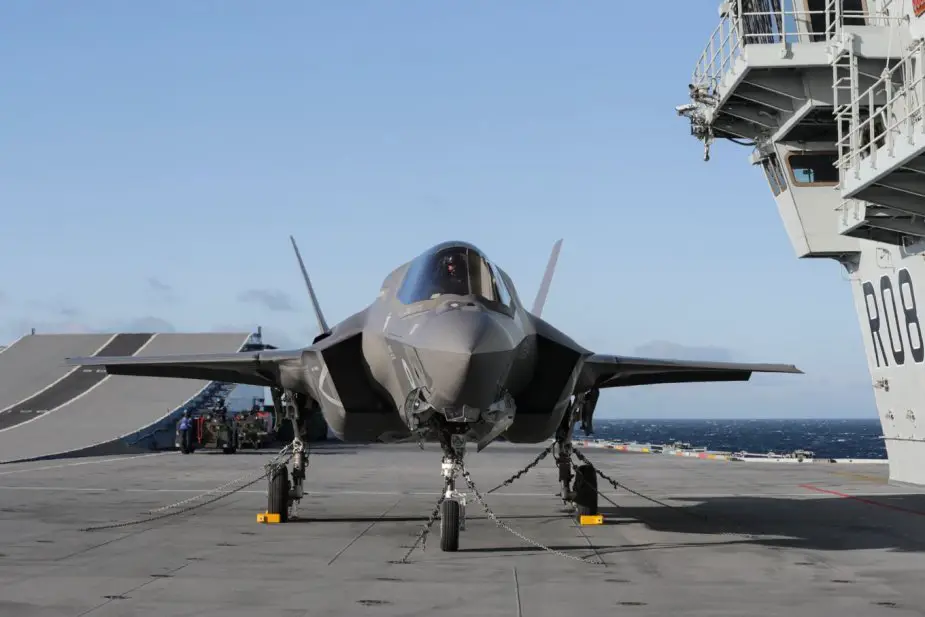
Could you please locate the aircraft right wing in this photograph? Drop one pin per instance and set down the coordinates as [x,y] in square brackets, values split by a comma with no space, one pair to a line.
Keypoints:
[258,368]
[605,371]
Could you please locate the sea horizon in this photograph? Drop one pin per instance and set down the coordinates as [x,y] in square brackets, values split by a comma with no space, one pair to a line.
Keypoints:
[825,437]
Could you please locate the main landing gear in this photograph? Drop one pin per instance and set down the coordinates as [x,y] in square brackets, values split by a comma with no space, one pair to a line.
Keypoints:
[582,493]
[286,488]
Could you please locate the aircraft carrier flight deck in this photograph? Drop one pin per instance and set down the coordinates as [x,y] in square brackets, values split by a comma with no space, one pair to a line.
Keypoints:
[705,537]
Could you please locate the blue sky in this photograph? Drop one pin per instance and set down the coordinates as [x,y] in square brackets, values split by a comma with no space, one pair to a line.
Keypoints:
[157,155]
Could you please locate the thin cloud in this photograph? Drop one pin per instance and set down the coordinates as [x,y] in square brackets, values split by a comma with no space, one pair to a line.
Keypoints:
[272,299]
[158,285]
[69,311]
[144,324]
[24,325]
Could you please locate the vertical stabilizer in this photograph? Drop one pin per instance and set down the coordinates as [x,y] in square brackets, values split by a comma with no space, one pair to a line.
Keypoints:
[547,279]
[322,324]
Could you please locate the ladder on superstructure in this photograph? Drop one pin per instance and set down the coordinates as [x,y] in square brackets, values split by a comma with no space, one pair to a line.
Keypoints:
[847,116]
[845,97]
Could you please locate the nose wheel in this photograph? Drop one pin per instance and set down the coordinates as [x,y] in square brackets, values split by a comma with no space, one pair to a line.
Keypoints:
[450,512]
[453,507]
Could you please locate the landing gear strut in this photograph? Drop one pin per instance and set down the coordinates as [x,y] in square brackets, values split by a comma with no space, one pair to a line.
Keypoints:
[562,453]
[453,507]
[286,489]
[583,492]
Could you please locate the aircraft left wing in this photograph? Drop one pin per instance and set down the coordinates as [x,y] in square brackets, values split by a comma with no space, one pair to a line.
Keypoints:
[258,368]
[604,371]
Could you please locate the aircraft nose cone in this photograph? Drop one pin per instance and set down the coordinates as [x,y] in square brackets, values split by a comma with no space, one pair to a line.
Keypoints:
[467,356]
[466,332]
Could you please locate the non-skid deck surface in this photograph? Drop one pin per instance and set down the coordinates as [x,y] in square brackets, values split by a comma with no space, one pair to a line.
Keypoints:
[727,539]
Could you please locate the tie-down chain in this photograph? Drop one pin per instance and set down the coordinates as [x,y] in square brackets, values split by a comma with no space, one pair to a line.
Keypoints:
[617,486]
[421,539]
[175,509]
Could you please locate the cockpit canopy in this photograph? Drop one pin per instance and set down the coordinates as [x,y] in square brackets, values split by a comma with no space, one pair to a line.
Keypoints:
[453,269]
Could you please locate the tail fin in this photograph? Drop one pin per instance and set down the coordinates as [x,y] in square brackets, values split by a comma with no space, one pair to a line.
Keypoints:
[322,324]
[547,279]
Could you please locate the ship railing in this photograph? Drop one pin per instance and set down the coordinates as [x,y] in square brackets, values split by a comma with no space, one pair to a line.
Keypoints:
[850,213]
[893,106]
[780,25]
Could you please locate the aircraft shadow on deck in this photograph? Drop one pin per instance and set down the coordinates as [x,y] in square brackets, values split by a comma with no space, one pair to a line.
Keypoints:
[825,524]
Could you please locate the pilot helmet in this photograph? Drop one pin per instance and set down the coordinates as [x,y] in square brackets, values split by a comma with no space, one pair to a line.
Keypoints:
[451,264]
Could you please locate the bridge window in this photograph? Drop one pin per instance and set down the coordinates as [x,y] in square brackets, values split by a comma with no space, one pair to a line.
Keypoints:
[774,174]
[813,168]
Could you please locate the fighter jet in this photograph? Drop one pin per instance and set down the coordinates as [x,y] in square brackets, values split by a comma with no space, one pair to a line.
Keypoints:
[446,353]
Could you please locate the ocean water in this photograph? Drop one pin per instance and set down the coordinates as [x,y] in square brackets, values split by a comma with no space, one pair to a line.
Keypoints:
[826,438]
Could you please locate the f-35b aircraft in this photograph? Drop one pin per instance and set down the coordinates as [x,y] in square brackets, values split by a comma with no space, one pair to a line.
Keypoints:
[446,353]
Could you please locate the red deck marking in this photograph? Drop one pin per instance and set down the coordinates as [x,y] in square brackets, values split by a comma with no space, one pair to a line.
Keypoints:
[862,500]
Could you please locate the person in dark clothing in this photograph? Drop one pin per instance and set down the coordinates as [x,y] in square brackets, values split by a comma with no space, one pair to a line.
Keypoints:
[186,433]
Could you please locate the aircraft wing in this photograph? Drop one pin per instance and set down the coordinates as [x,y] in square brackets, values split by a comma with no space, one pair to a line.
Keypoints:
[259,368]
[604,371]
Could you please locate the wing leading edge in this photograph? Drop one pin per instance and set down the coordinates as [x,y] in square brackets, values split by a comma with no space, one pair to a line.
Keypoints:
[605,371]
[259,368]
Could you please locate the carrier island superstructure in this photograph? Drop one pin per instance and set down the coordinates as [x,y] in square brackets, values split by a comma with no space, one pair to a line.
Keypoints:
[831,95]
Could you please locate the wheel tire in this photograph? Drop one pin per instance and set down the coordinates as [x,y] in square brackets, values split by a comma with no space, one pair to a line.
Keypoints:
[449,526]
[586,490]
[278,495]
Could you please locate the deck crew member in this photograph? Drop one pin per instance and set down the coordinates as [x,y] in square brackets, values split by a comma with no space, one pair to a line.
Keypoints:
[186,433]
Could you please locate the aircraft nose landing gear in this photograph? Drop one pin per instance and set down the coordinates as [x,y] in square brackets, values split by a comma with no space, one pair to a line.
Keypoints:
[453,507]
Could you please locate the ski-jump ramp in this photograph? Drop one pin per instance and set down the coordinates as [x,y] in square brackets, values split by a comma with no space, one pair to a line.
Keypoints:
[51,410]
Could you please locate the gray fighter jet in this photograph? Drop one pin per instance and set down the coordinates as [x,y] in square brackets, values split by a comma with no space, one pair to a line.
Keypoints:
[446,353]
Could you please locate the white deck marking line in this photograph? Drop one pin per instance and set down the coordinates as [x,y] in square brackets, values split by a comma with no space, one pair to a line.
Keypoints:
[10,346]
[80,463]
[76,398]
[60,379]
[395,493]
